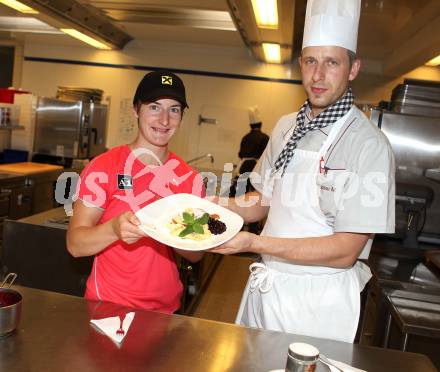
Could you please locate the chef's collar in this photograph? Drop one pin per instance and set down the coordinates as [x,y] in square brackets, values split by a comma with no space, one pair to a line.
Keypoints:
[308,117]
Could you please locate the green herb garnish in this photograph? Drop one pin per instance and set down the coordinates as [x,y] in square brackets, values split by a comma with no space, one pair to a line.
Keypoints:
[192,224]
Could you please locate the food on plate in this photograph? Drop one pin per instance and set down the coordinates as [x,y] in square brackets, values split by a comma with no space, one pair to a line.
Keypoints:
[196,224]
[216,226]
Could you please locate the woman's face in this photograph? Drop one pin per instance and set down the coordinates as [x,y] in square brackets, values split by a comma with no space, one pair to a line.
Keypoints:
[159,120]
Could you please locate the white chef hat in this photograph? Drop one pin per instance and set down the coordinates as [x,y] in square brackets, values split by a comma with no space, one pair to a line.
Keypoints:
[254,115]
[332,23]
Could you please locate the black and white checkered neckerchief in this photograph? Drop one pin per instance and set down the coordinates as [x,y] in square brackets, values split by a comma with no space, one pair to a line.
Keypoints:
[330,115]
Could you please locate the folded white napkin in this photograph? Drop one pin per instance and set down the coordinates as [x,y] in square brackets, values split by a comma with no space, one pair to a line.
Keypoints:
[343,366]
[109,326]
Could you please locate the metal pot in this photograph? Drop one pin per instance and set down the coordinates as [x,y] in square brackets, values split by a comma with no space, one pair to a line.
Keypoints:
[10,307]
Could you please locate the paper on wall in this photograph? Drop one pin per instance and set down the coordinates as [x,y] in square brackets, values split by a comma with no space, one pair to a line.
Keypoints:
[127,121]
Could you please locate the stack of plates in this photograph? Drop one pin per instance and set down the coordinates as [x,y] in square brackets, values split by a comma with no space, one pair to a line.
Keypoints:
[417,97]
[79,94]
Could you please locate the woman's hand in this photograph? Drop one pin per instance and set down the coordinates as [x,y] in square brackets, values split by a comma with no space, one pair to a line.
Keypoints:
[126,228]
[242,242]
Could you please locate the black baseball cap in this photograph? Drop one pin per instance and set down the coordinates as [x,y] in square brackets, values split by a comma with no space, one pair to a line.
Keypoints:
[160,84]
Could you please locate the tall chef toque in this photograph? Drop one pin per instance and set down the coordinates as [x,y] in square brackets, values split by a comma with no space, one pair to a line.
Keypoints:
[254,117]
[328,23]
[332,22]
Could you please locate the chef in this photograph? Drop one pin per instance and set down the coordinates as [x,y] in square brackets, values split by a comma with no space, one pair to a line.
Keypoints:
[252,146]
[326,184]
[253,143]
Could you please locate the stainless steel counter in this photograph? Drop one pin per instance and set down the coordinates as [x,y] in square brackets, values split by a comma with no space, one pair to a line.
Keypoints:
[43,218]
[396,268]
[55,335]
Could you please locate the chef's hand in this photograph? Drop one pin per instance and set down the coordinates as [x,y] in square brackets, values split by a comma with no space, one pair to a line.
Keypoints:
[126,228]
[241,242]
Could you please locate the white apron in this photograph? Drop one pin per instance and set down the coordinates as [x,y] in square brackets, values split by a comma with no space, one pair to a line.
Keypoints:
[308,300]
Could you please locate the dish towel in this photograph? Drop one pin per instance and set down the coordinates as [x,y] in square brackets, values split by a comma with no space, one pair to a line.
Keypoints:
[109,326]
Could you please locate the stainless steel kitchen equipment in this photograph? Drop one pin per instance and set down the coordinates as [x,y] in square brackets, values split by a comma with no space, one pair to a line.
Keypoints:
[415,315]
[417,97]
[415,140]
[79,94]
[414,200]
[10,306]
[69,129]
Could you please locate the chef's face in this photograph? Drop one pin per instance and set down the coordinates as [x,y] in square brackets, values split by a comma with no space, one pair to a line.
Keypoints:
[326,72]
[159,120]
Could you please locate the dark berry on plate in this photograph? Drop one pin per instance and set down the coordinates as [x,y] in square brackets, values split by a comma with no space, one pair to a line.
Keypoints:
[216,226]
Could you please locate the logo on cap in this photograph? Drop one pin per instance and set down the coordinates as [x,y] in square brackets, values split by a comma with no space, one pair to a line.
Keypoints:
[167,80]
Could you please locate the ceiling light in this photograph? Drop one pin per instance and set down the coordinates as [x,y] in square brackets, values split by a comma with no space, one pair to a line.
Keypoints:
[19,6]
[83,37]
[266,13]
[272,52]
[94,27]
[434,62]
[26,24]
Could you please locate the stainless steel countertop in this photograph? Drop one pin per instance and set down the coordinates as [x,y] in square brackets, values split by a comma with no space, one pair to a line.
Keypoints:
[55,335]
[43,217]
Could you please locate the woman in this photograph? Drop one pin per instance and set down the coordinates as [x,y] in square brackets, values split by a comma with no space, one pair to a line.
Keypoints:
[129,267]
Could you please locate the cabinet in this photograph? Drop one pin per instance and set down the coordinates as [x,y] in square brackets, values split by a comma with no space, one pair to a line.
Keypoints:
[20,201]
[4,210]
[39,255]
[369,332]
[43,193]
[15,201]
[38,192]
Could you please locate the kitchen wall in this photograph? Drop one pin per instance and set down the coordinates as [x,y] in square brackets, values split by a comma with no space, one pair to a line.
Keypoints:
[223,98]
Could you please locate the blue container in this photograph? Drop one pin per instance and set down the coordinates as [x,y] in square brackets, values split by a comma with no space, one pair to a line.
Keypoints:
[15,156]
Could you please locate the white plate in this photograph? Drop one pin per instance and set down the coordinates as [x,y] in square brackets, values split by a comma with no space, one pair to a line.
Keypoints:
[155,217]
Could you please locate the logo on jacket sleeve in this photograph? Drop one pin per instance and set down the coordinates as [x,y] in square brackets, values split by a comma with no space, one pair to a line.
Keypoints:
[125,182]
